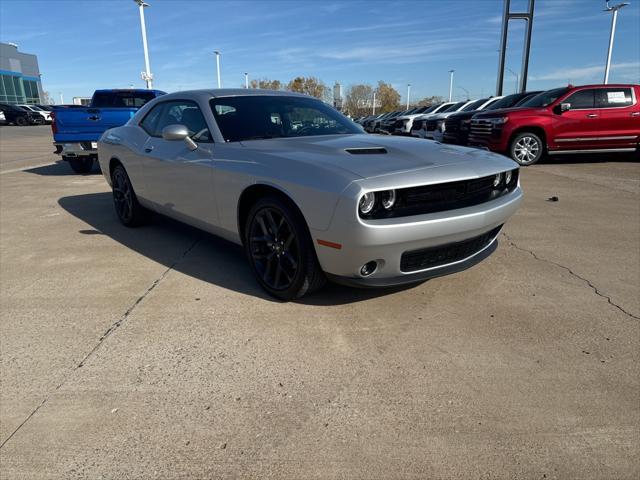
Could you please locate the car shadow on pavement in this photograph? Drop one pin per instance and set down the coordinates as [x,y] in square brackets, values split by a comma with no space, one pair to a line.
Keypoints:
[193,252]
[590,158]
[59,169]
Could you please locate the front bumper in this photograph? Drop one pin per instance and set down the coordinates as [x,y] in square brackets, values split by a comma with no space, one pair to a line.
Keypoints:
[385,241]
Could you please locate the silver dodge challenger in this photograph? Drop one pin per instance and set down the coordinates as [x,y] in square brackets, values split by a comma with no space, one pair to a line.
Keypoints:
[308,194]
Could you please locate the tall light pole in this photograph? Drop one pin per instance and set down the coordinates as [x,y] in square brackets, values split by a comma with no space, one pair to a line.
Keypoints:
[246,80]
[517,79]
[373,112]
[451,84]
[408,94]
[61,98]
[218,67]
[614,19]
[147,76]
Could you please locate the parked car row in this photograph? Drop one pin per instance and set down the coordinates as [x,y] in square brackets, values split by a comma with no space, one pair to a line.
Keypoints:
[526,126]
[23,115]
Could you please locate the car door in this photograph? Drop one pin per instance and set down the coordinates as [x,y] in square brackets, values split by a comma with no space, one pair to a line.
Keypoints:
[619,117]
[180,180]
[577,128]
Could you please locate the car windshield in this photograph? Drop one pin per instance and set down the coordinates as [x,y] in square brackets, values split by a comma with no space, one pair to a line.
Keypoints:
[430,109]
[474,105]
[545,98]
[505,102]
[125,99]
[253,117]
[453,108]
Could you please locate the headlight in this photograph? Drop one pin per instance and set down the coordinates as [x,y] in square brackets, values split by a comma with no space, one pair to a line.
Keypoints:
[508,176]
[388,199]
[496,180]
[440,125]
[367,201]
[499,120]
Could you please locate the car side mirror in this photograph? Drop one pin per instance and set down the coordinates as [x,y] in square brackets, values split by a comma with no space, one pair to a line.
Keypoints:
[565,107]
[178,132]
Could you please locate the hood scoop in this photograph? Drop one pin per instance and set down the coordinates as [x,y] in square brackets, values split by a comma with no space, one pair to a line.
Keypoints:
[366,150]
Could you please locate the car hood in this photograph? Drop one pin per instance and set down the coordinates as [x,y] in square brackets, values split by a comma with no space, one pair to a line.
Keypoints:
[348,153]
[501,112]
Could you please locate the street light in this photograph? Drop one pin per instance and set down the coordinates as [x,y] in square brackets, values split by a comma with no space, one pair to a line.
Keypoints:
[408,94]
[517,79]
[61,98]
[374,103]
[614,19]
[451,84]
[147,76]
[246,80]
[218,67]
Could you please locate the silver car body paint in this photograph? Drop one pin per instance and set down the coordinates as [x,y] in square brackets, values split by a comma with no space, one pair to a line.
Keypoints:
[203,187]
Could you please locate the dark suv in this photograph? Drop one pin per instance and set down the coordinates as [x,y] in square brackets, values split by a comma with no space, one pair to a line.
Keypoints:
[20,116]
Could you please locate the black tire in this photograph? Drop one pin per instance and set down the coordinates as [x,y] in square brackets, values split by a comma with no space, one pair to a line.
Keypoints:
[280,250]
[526,148]
[129,211]
[22,121]
[81,165]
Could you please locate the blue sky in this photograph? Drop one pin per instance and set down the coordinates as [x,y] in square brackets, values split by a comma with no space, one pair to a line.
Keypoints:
[90,44]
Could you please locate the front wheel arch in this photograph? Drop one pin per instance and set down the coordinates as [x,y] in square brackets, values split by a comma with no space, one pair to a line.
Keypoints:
[252,194]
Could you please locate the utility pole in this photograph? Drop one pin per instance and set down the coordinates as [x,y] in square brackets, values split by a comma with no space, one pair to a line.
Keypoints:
[218,67]
[408,94]
[61,98]
[614,19]
[246,80]
[147,76]
[451,84]
[507,15]
[374,103]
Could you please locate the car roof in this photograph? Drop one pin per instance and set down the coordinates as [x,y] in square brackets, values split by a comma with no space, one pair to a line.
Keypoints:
[231,92]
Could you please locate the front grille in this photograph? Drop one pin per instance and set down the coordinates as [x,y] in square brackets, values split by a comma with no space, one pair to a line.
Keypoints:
[398,124]
[443,197]
[451,126]
[431,125]
[444,254]
[481,128]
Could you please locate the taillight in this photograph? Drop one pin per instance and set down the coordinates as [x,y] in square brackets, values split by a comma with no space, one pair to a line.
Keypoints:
[54,128]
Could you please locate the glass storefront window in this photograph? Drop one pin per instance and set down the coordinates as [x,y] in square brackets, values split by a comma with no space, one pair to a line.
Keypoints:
[14,89]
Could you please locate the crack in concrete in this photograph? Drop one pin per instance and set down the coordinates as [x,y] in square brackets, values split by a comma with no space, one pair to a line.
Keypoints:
[574,274]
[102,339]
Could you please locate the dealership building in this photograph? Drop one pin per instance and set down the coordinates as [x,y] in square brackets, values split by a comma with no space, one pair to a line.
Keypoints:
[19,76]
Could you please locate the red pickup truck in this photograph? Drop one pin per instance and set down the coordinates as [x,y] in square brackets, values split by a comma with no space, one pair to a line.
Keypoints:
[585,119]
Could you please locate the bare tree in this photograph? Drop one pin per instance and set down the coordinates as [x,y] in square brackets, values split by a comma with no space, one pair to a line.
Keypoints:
[358,100]
[433,100]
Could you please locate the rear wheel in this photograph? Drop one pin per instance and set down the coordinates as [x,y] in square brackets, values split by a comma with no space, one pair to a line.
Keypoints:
[80,165]
[22,121]
[526,148]
[129,211]
[280,250]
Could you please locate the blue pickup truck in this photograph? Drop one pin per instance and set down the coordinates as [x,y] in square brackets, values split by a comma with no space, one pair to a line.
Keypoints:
[76,130]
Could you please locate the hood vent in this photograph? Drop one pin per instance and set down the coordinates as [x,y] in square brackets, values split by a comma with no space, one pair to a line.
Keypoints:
[366,151]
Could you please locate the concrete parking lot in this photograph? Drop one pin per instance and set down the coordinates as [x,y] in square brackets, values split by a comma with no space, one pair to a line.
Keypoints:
[152,353]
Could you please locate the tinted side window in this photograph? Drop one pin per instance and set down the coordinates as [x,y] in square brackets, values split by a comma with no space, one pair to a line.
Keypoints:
[187,113]
[613,97]
[581,99]
[150,120]
[121,99]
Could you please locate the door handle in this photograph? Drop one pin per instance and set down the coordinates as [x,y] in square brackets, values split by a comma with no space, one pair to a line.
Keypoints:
[94,117]
[635,114]
[148,149]
[592,115]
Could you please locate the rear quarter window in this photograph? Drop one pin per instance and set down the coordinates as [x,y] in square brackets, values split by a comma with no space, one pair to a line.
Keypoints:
[614,97]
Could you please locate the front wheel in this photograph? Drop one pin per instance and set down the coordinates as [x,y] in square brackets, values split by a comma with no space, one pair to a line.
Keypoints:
[22,121]
[526,148]
[280,250]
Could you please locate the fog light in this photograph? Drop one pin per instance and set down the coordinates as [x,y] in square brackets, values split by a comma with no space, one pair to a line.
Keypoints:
[497,179]
[508,176]
[368,268]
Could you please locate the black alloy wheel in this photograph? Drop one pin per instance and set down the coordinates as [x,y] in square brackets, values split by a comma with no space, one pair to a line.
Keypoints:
[280,251]
[129,211]
[22,121]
